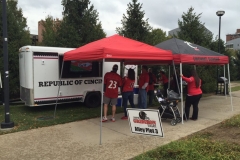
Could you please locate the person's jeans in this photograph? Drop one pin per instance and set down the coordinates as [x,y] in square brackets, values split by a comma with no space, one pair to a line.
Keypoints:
[142,98]
[150,96]
[125,97]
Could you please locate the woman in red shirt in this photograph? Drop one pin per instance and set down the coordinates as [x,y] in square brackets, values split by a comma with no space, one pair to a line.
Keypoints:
[194,94]
[127,91]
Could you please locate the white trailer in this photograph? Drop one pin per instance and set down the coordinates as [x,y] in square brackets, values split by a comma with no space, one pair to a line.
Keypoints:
[40,77]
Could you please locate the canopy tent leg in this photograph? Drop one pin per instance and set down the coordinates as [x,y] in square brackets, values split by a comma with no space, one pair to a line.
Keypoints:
[58,90]
[224,70]
[181,91]
[230,90]
[169,77]
[224,81]
[102,102]
[195,68]
[0,80]
[175,73]
[123,70]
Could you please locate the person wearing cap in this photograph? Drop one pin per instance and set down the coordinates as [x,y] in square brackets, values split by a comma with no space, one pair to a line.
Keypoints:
[143,88]
[112,81]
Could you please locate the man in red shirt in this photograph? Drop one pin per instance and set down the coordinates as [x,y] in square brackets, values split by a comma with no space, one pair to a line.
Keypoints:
[143,88]
[112,81]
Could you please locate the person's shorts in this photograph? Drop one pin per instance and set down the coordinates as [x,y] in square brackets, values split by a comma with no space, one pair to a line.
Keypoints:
[112,101]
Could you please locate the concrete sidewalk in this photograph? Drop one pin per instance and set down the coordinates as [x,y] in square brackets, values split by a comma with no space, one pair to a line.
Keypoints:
[80,140]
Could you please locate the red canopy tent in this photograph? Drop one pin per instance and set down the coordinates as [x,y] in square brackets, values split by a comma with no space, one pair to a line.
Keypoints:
[119,49]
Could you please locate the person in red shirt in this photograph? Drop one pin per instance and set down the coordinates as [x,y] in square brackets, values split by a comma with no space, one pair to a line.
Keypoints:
[164,81]
[151,86]
[143,88]
[112,81]
[127,91]
[194,94]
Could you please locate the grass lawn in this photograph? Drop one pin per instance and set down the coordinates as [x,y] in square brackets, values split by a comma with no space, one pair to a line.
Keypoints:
[26,118]
[197,147]
[202,145]
[236,88]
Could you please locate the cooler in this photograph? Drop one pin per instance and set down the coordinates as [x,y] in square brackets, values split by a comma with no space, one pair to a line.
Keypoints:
[119,101]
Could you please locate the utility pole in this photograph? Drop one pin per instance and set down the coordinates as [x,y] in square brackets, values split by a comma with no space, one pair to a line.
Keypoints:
[7,123]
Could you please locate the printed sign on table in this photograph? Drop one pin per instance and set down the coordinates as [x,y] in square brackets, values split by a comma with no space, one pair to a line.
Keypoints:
[145,121]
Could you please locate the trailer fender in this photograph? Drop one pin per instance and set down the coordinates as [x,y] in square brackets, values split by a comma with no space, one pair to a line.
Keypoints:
[92,99]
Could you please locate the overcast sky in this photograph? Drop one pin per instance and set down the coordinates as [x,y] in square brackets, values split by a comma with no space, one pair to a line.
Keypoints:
[162,14]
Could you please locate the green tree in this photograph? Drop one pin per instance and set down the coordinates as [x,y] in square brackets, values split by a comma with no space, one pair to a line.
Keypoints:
[236,61]
[80,24]
[18,36]
[234,69]
[156,36]
[231,55]
[133,24]
[192,30]
[49,32]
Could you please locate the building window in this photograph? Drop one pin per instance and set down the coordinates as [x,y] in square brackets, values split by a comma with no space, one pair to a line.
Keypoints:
[229,46]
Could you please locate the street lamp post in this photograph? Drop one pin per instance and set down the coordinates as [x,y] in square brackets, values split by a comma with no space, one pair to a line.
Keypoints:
[219,13]
[7,123]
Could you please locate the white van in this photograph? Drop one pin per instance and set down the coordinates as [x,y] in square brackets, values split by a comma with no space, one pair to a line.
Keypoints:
[40,71]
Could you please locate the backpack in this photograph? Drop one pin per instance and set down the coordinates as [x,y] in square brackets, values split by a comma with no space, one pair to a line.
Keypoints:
[150,78]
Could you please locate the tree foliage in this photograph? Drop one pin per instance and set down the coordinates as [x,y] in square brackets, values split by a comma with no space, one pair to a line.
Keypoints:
[192,30]
[18,36]
[133,24]
[236,63]
[80,24]
[49,32]
[156,36]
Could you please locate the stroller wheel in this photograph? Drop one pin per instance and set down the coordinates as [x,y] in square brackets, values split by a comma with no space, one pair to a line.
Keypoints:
[179,120]
[173,122]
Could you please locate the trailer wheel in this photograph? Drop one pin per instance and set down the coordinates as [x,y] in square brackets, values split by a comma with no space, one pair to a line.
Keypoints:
[93,99]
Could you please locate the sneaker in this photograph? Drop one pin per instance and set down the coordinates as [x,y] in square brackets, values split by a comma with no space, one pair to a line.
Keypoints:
[104,119]
[124,118]
[113,119]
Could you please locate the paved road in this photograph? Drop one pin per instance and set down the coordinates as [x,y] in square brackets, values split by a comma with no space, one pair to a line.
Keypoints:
[80,140]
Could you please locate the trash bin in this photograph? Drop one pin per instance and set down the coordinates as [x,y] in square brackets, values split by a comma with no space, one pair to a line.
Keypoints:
[222,84]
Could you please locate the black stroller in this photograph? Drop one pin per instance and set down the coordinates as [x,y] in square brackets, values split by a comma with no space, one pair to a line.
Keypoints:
[168,106]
